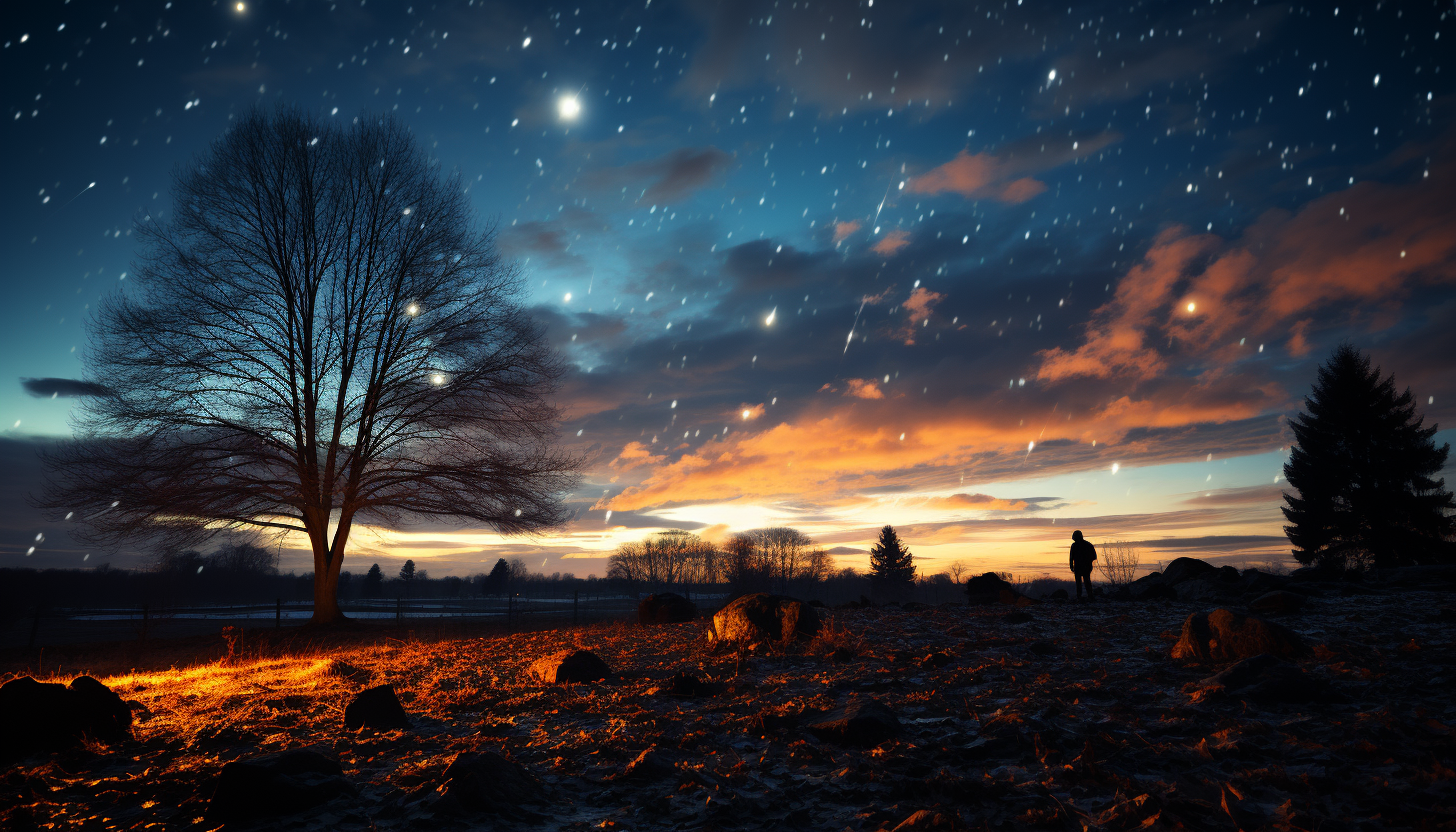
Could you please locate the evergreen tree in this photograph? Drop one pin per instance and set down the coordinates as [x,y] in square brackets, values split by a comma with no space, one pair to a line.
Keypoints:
[1363,467]
[373,581]
[891,564]
[407,572]
[499,577]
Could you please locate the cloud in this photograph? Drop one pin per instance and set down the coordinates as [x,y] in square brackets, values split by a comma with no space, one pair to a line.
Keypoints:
[864,388]
[917,309]
[668,178]
[978,502]
[1247,495]
[843,229]
[891,242]
[1346,258]
[50,388]
[1002,176]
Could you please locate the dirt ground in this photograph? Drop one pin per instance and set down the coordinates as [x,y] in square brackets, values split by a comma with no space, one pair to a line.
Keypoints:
[1074,719]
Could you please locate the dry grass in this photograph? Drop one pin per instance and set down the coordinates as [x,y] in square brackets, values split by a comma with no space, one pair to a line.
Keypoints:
[992,726]
[1118,561]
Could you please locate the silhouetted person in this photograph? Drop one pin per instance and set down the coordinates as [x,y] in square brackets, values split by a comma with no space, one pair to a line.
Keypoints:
[1083,556]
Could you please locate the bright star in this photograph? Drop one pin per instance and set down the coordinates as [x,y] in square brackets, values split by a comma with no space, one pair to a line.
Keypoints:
[1191,306]
[568,107]
[240,7]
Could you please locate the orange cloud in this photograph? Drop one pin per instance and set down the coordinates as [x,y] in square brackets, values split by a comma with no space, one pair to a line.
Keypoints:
[917,308]
[864,388]
[976,176]
[892,242]
[1002,176]
[1354,253]
[843,447]
[842,230]
[979,502]
[634,455]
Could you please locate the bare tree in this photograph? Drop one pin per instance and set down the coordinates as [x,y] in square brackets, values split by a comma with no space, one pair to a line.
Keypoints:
[670,557]
[316,337]
[1118,560]
[957,570]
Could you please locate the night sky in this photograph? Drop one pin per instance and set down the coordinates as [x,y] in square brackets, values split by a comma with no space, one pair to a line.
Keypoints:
[985,271]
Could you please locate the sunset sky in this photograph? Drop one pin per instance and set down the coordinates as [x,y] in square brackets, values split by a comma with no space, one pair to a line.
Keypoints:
[987,272]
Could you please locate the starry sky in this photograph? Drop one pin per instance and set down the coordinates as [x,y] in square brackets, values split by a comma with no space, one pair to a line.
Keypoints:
[985,271]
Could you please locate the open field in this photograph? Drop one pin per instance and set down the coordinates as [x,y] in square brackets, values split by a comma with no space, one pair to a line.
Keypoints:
[1076,718]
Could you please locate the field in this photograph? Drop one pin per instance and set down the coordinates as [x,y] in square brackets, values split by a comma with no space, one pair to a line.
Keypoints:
[1067,717]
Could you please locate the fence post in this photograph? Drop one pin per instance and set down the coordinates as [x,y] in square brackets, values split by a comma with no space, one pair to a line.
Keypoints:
[146,617]
[575,600]
[398,610]
[278,614]
[511,612]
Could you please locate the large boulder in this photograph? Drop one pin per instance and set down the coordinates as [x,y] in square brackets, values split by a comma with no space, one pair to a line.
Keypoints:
[274,786]
[1151,587]
[570,667]
[1226,636]
[376,708]
[41,716]
[990,588]
[863,722]
[1185,569]
[762,617]
[665,608]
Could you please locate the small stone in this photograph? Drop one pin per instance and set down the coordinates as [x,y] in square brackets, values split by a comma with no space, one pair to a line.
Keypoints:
[863,722]
[1278,601]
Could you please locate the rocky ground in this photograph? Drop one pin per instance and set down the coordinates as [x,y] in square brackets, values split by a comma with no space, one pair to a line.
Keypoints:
[1057,715]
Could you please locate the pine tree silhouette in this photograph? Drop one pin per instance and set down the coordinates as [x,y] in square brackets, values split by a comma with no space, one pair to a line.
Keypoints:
[373,581]
[891,564]
[1363,467]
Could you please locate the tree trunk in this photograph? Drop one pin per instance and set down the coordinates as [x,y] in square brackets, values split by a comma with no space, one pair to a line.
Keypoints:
[326,596]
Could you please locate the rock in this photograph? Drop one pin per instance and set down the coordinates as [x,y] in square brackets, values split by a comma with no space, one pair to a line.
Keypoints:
[1203,589]
[687,685]
[1227,574]
[1184,569]
[1226,636]
[376,708]
[275,785]
[1151,587]
[925,819]
[487,783]
[842,655]
[570,667]
[1278,601]
[43,716]
[863,722]
[761,617]
[1255,580]
[665,608]
[1265,679]
[989,588]
[653,764]
[1057,595]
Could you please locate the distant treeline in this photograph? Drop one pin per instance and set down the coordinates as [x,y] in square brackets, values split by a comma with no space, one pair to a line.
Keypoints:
[779,560]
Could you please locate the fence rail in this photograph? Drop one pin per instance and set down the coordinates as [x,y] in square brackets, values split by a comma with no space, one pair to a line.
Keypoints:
[52,626]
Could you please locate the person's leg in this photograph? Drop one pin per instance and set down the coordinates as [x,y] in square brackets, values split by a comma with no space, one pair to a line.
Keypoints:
[1077,576]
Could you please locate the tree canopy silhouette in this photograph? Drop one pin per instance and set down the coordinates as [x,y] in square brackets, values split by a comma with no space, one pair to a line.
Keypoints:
[891,564]
[1363,467]
[315,337]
